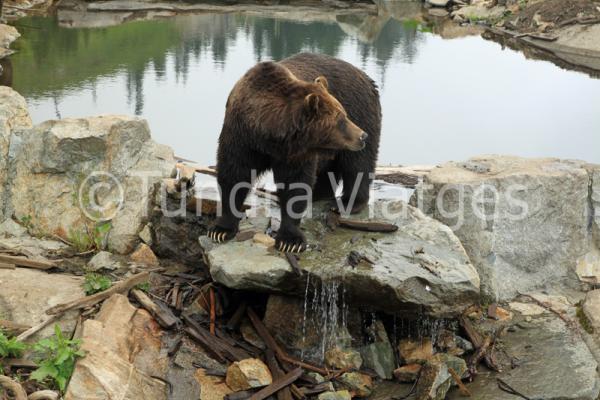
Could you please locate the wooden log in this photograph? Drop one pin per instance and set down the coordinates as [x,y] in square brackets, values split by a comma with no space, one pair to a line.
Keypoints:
[14,387]
[235,320]
[35,329]
[120,287]
[293,261]
[278,384]
[26,262]
[316,389]
[334,220]
[13,329]
[19,363]
[163,315]
[7,266]
[461,386]
[277,373]
[224,349]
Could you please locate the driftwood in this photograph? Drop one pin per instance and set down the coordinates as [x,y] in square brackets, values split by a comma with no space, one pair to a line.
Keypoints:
[12,328]
[35,329]
[235,320]
[293,261]
[334,220]
[270,342]
[26,262]
[14,387]
[7,266]
[163,315]
[120,287]
[461,386]
[19,363]
[221,348]
[278,384]
[484,347]
[43,395]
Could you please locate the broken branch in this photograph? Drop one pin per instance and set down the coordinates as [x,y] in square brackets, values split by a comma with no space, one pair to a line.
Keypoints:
[163,315]
[26,262]
[279,384]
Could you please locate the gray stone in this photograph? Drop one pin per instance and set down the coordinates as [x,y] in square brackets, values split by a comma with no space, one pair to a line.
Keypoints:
[27,293]
[146,234]
[10,228]
[435,379]
[523,222]
[105,260]
[339,395]
[123,357]
[8,34]
[380,358]
[595,173]
[13,115]
[555,363]
[479,12]
[400,10]
[438,3]
[591,308]
[55,166]
[437,280]
[31,246]
[438,12]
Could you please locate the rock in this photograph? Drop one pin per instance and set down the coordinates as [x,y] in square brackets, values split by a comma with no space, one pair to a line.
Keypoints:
[339,395]
[264,239]
[107,165]
[408,373]
[438,281]
[476,13]
[557,302]
[523,222]
[503,314]
[27,293]
[588,267]
[318,378]
[248,374]
[144,255]
[32,247]
[435,379]
[400,10]
[337,358]
[595,173]
[379,357]
[450,343]
[13,115]
[527,308]
[8,34]
[10,228]
[249,334]
[438,3]
[122,347]
[211,387]
[438,12]
[104,260]
[555,363]
[591,308]
[415,351]
[360,385]
[146,235]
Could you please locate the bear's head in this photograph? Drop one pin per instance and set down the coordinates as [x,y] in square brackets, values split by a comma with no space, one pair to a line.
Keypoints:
[325,122]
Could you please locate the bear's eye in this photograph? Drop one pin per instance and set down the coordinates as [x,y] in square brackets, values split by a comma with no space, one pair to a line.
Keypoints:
[341,123]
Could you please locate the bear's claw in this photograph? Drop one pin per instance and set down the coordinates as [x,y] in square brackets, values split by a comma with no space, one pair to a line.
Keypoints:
[219,235]
[286,247]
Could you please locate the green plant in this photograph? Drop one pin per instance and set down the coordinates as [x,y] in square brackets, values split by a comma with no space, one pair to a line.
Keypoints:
[95,283]
[144,287]
[26,222]
[93,238]
[57,356]
[10,347]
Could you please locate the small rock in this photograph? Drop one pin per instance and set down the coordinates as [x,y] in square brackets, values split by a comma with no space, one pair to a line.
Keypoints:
[248,374]
[438,12]
[456,363]
[557,302]
[450,343]
[264,239]
[10,228]
[438,3]
[146,235]
[380,358]
[503,314]
[211,387]
[408,373]
[249,334]
[316,376]
[527,309]
[339,395]
[415,352]
[104,260]
[360,385]
[591,308]
[144,255]
[338,358]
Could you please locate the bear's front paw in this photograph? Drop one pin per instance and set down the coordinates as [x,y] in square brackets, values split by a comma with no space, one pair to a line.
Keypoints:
[220,234]
[289,242]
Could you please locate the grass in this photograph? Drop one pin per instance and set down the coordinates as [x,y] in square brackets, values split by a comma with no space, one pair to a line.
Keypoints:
[11,347]
[95,283]
[583,319]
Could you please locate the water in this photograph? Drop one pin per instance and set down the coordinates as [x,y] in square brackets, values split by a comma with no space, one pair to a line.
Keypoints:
[442,99]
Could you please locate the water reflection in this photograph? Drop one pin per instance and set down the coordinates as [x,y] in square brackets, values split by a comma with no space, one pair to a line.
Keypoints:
[440,101]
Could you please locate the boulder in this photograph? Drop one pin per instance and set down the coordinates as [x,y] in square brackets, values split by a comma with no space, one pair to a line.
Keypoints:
[415,351]
[338,358]
[10,228]
[123,357]
[13,115]
[591,308]
[435,379]
[26,294]
[554,363]
[8,34]
[360,385]
[68,175]
[523,222]
[248,374]
[437,280]
[379,357]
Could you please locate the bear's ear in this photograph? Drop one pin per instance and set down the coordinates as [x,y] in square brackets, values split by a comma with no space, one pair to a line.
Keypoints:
[321,80]
[312,102]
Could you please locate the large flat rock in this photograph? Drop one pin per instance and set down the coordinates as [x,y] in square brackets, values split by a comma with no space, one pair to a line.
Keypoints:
[421,267]
[523,222]
[26,294]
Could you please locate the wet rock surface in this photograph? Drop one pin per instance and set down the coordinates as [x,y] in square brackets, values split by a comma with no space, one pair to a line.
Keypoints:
[8,34]
[53,165]
[421,266]
[523,222]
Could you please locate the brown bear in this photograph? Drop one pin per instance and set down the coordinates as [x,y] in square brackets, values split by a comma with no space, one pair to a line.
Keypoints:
[314,121]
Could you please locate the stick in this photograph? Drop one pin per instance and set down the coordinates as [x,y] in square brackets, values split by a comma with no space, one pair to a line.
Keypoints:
[505,387]
[7,266]
[123,286]
[12,328]
[263,332]
[163,315]
[461,386]
[213,313]
[33,330]
[213,343]
[14,387]
[279,384]
[293,261]
[26,262]
[277,372]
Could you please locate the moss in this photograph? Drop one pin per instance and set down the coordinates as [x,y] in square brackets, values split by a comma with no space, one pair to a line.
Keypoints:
[583,319]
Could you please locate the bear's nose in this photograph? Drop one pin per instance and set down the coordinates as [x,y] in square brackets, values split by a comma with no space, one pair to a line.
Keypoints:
[364,137]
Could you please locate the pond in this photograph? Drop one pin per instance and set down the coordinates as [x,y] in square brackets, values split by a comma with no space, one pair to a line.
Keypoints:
[442,99]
